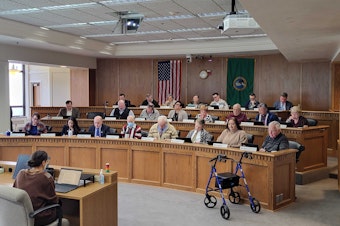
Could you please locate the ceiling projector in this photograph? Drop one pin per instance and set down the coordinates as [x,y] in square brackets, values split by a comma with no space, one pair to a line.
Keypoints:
[239,24]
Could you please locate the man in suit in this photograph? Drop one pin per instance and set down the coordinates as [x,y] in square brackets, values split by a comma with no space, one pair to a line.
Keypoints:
[122,97]
[283,104]
[98,129]
[149,99]
[69,110]
[252,102]
[265,116]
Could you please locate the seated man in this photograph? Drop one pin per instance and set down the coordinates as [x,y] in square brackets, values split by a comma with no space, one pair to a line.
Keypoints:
[265,116]
[163,129]
[252,102]
[131,130]
[122,112]
[98,129]
[195,102]
[150,113]
[275,141]
[178,114]
[222,104]
[69,110]
[237,114]
[283,104]
[149,99]
[122,97]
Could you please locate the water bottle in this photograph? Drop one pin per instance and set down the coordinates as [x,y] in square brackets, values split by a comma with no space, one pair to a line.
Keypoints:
[101,177]
[69,133]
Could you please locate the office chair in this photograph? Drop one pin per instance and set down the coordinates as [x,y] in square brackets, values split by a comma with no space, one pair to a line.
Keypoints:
[214,118]
[91,115]
[49,128]
[16,208]
[250,138]
[113,130]
[297,146]
[312,122]
[144,133]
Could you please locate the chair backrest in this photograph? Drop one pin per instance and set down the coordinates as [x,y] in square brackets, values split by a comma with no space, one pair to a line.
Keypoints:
[312,122]
[214,118]
[113,130]
[144,133]
[49,128]
[297,146]
[15,206]
[250,138]
[91,115]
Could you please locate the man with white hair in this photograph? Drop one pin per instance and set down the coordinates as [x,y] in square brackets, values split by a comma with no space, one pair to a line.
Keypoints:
[163,129]
[275,141]
[121,112]
[131,130]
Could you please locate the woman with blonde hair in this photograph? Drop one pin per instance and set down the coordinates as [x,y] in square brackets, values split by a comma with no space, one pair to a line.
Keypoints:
[295,119]
[204,114]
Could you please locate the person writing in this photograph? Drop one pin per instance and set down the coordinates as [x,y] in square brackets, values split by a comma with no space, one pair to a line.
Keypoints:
[71,128]
[69,110]
[35,127]
[40,187]
[131,130]
[295,119]
[199,134]
[275,141]
[98,129]
[149,99]
[163,129]
[233,135]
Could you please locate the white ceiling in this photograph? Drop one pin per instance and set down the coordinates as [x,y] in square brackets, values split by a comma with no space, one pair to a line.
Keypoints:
[301,30]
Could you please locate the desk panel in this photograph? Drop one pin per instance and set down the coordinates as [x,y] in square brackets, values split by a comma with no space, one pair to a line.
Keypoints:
[171,165]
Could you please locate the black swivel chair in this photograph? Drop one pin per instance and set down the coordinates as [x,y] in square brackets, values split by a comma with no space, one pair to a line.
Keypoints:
[144,133]
[297,146]
[312,122]
[91,115]
[250,138]
[214,118]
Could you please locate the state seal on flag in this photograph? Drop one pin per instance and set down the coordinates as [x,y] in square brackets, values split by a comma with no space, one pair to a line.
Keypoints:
[240,83]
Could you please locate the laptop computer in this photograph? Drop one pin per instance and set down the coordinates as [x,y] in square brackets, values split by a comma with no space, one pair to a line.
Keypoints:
[257,123]
[22,163]
[215,106]
[186,139]
[68,180]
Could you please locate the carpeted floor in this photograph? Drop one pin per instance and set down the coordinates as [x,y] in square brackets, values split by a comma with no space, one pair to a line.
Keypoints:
[317,204]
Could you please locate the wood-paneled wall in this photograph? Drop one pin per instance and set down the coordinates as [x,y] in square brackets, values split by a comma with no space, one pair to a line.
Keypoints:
[308,83]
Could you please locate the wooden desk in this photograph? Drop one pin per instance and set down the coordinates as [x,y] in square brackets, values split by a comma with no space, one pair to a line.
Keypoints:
[94,204]
[314,138]
[165,164]
[324,118]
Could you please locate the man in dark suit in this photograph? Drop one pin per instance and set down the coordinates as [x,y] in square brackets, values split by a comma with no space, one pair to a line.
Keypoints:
[69,110]
[122,97]
[98,129]
[149,99]
[283,104]
[264,115]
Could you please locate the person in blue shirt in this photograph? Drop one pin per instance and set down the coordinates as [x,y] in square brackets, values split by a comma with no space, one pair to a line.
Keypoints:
[35,127]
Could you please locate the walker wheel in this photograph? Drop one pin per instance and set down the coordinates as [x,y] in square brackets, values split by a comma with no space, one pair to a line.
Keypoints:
[225,213]
[210,201]
[256,206]
[234,197]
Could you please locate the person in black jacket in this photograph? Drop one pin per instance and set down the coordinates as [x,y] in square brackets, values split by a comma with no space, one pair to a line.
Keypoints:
[121,112]
[72,125]
[98,129]
[149,99]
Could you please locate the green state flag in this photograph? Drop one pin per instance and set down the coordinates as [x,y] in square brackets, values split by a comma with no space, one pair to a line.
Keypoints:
[240,80]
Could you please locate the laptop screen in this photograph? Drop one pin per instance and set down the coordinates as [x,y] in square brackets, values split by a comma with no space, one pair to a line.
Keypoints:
[69,176]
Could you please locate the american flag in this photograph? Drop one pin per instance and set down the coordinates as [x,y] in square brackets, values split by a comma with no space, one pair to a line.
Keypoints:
[169,80]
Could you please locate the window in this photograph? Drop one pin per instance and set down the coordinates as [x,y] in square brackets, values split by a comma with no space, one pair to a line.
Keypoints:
[17,89]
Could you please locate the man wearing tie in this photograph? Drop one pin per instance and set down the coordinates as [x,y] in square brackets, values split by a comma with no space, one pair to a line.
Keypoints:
[98,129]
[283,104]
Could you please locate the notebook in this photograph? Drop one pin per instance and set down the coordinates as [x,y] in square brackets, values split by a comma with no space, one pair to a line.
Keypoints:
[68,180]
[22,163]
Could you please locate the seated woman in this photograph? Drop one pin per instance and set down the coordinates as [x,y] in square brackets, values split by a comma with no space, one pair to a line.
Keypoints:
[170,101]
[295,119]
[71,126]
[233,135]
[40,187]
[35,127]
[199,134]
[204,114]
